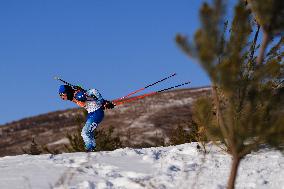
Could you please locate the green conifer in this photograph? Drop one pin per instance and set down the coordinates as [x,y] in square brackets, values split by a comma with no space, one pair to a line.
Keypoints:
[247,110]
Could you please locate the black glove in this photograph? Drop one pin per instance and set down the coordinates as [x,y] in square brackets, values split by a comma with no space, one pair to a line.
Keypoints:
[108,104]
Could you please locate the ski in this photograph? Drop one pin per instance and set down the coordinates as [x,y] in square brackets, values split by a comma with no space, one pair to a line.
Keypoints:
[143,88]
[148,94]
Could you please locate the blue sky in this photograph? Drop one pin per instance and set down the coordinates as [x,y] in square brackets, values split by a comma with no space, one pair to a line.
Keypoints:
[114,46]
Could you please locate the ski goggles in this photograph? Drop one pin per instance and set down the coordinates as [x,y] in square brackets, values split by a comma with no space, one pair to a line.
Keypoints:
[62,94]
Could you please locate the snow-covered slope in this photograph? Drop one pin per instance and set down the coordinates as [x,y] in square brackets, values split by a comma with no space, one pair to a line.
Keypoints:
[173,167]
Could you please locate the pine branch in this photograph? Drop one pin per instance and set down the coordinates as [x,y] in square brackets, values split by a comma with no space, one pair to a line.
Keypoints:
[265,41]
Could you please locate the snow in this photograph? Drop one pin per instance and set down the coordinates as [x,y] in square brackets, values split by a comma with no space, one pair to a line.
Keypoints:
[61,141]
[203,89]
[172,167]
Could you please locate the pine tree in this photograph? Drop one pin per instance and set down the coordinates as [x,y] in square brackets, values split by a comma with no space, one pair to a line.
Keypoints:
[270,15]
[188,132]
[34,148]
[107,140]
[76,142]
[247,106]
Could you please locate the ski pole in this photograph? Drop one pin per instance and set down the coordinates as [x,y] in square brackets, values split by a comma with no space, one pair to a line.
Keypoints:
[148,94]
[134,92]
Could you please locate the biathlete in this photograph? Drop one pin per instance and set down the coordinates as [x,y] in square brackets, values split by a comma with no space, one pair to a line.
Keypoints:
[94,103]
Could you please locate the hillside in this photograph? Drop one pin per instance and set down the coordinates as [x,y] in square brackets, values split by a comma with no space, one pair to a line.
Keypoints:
[136,122]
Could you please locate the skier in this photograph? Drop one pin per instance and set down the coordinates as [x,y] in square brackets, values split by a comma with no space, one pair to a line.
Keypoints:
[94,103]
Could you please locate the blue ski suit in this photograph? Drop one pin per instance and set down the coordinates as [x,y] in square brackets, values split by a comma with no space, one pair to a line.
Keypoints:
[94,106]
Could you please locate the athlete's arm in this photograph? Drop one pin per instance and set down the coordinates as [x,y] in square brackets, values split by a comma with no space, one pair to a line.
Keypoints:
[78,102]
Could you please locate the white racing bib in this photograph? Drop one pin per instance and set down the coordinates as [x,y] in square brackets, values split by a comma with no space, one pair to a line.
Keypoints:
[94,100]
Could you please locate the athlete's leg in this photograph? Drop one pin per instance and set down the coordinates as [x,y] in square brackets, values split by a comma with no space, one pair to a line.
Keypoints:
[87,133]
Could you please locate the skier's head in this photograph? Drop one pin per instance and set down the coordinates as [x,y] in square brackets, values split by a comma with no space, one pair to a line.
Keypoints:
[66,92]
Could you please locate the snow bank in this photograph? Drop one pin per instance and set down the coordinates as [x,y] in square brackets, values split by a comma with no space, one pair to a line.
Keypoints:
[172,167]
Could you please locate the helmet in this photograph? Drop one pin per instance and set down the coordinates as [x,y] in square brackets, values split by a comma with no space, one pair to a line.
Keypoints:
[66,89]
[80,96]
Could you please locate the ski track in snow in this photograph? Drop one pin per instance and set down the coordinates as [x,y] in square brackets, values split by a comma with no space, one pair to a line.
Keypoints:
[174,167]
